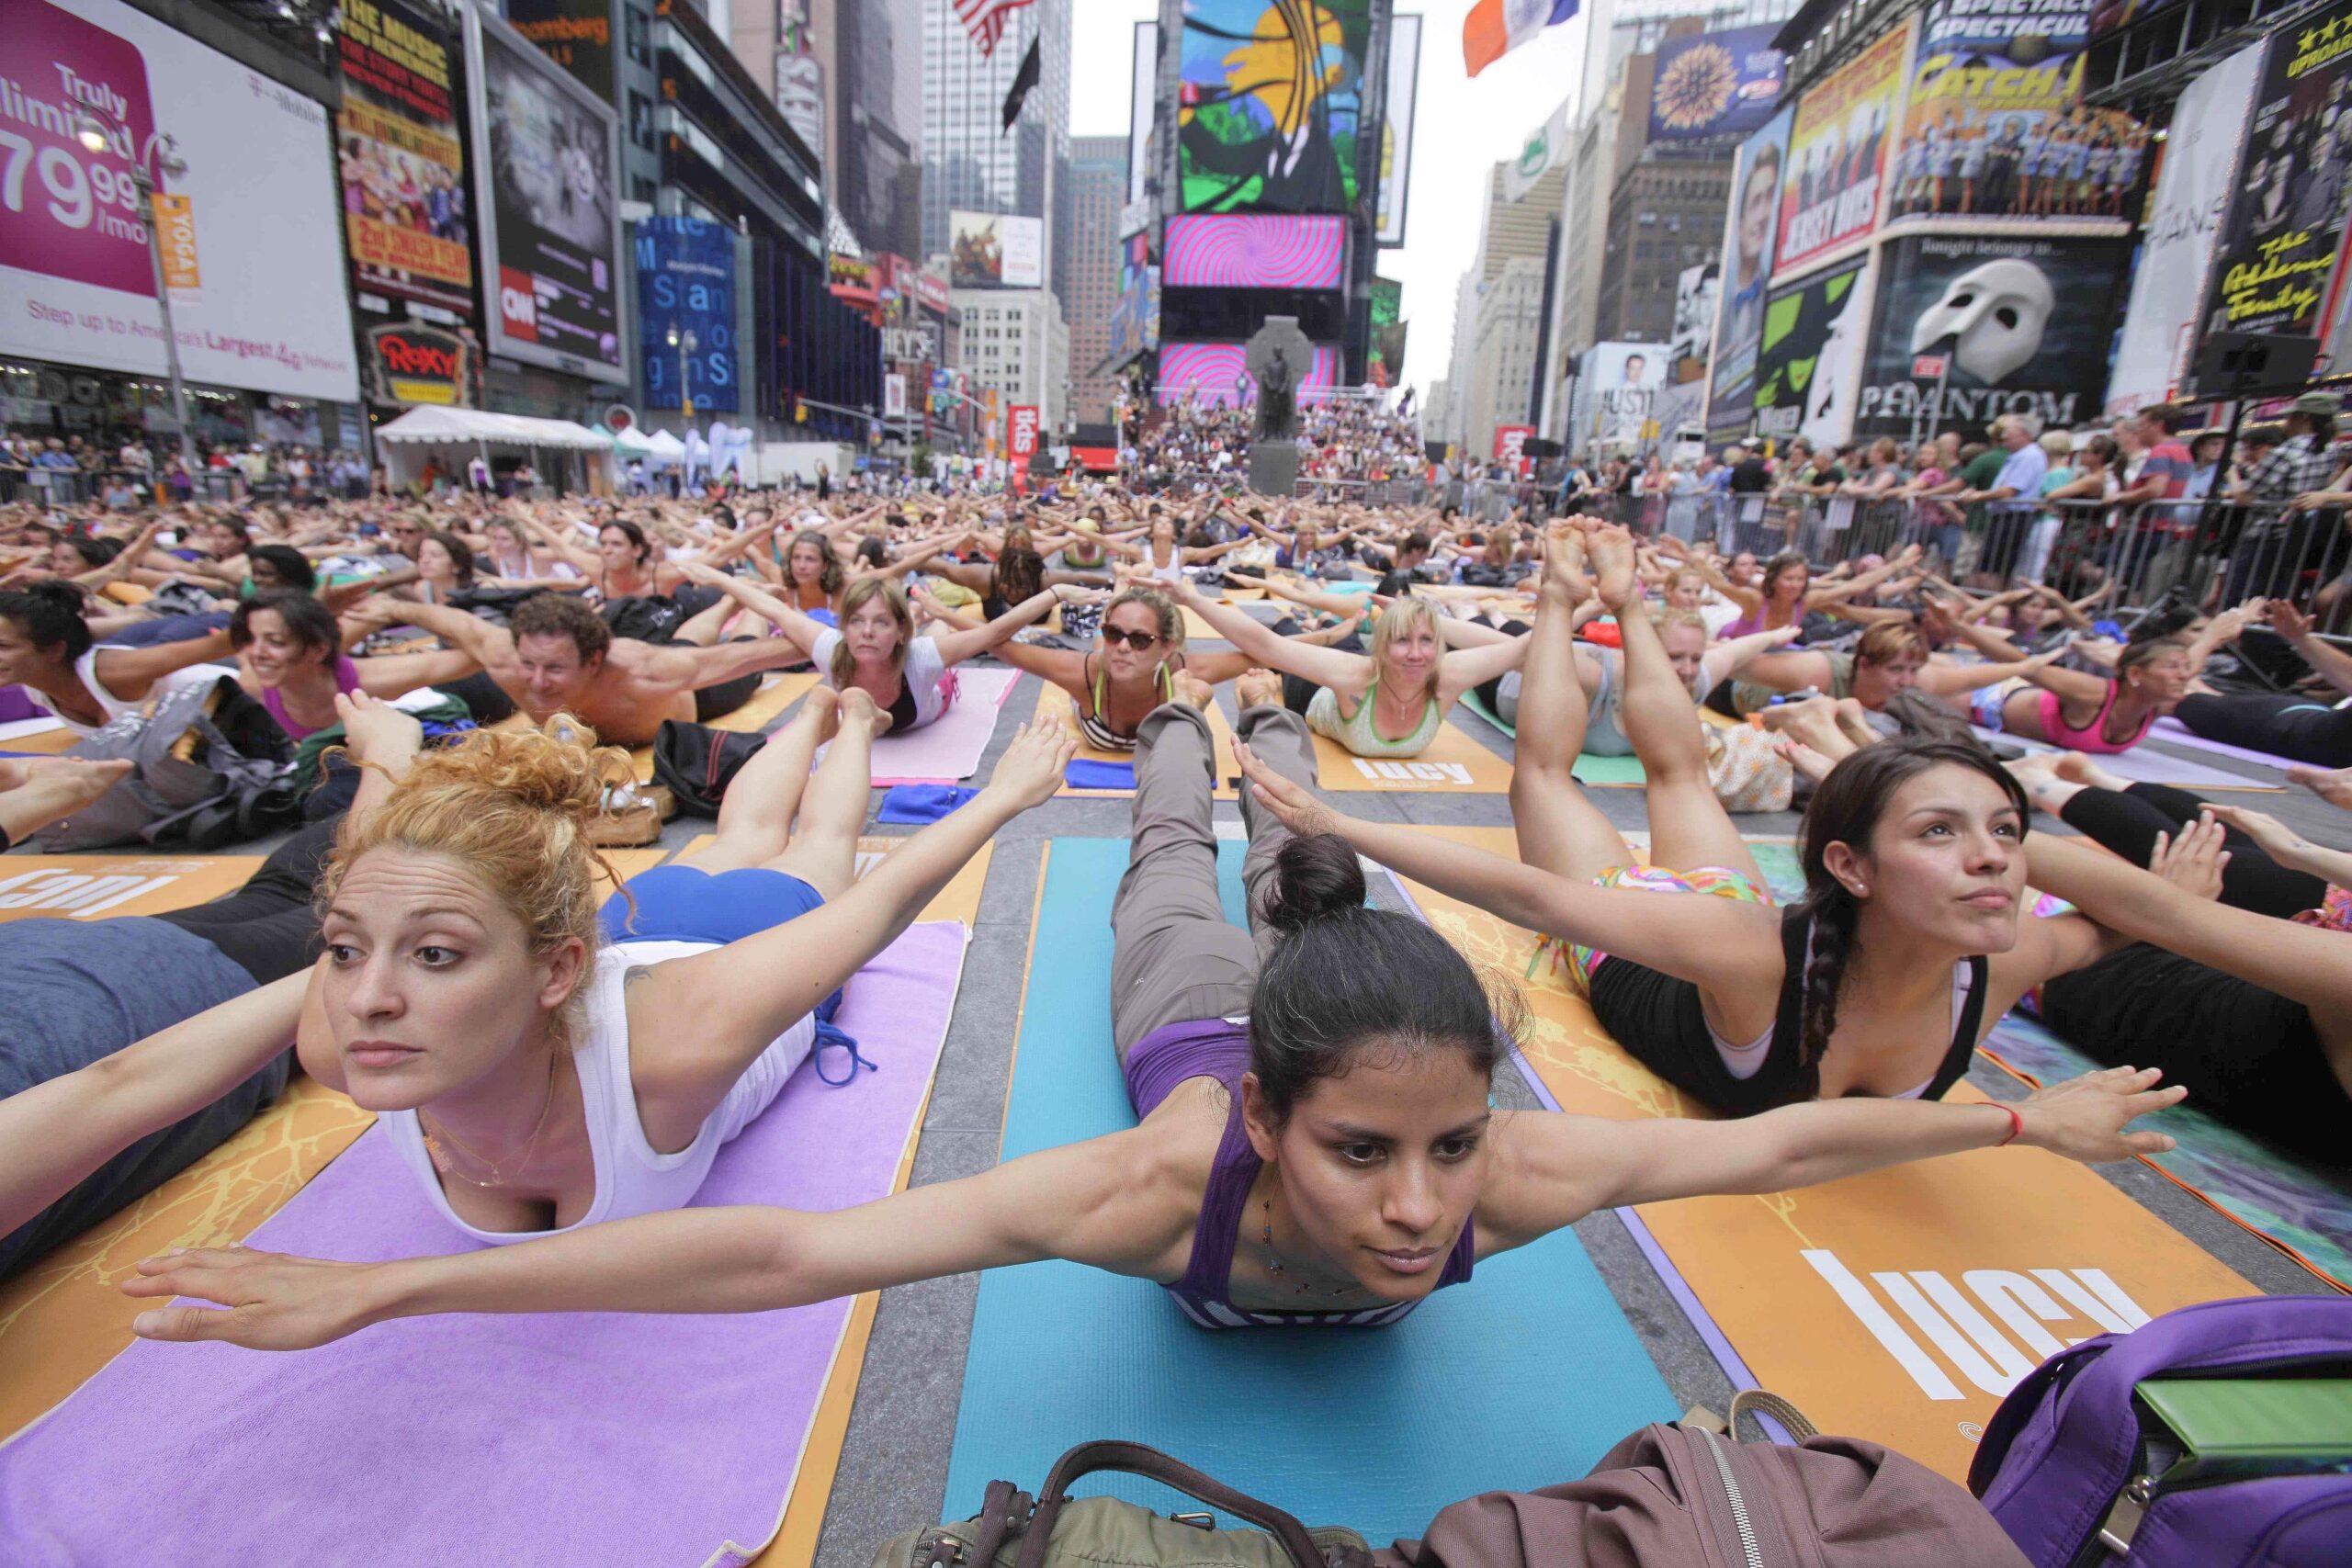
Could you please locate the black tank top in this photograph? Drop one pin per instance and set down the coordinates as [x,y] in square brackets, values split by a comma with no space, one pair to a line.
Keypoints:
[1658,1018]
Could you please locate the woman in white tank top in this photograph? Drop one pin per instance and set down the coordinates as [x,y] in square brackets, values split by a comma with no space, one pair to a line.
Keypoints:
[542,1062]
[45,648]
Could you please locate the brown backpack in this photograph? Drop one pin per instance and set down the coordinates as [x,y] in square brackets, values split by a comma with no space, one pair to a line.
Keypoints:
[1685,1494]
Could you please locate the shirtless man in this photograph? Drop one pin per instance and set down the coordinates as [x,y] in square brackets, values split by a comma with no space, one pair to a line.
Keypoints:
[556,655]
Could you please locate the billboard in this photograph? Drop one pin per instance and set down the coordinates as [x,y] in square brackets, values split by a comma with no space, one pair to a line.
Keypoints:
[1981,314]
[401,161]
[1020,434]
[686,281]
[575,34]
[1716,84]
[1748,240]
[1617,388]
[1809,356]
[1386,365]
[991,249]
[1395,176]
[1134,318]
[2336,348]
[544,152]
[254,262]
[2193,195]
[1218,251]
[2277,247]
[1216,374]
[1992,134]
[800,98]
[1143,96]
[1695,288]
[1829,190]
[1268,105]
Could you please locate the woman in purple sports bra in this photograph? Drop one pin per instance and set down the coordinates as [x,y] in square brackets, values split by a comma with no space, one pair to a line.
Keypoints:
[1315,1143]
[290,654]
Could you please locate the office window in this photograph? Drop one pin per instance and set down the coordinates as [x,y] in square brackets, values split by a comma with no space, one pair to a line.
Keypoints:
[640,121]
[636,32]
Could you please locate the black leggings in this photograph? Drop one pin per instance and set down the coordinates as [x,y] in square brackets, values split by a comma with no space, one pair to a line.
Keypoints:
[2297,729]
[1297,690]
[1490,692]
[2128,821]
[269,927]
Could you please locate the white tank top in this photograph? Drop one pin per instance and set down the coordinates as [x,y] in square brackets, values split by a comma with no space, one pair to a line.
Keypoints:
[631,1179]
[86,667]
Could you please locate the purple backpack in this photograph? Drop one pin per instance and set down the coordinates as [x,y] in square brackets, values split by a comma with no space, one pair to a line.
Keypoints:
[2063,1466]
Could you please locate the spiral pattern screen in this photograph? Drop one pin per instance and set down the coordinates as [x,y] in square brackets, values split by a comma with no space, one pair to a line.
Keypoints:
[1217,250]
[1216,374]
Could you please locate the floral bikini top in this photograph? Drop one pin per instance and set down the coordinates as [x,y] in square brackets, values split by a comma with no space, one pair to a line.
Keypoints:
[2334,912]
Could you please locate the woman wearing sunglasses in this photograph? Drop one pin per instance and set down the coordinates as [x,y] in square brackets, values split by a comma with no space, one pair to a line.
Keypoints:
[1113,685]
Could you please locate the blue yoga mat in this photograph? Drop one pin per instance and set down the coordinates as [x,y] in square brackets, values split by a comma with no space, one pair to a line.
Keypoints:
[1522,1378]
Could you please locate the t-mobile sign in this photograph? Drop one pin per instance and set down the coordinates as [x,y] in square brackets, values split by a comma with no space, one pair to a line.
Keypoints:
[66,211]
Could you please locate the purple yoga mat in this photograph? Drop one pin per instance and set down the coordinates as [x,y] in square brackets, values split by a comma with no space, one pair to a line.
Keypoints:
[2179,734]
[567,1439]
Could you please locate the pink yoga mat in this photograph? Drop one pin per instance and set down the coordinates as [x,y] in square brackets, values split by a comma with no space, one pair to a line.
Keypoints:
[949,749]
[561,1440]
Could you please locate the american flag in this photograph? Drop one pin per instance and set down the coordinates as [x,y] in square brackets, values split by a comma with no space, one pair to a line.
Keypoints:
[984,20]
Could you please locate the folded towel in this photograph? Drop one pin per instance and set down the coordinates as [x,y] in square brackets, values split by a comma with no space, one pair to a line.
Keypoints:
[922,803]
[1085,774]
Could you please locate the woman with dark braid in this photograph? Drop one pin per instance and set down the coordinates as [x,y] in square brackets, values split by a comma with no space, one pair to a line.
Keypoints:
[1906,948]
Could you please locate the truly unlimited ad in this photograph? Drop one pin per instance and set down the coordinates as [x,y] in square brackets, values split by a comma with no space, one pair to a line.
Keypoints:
[245,198]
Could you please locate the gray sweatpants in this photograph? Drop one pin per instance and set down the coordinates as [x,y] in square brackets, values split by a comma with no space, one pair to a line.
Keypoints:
[1174,958]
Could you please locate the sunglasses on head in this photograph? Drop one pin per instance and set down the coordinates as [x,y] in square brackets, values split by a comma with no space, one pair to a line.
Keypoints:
[1113,636]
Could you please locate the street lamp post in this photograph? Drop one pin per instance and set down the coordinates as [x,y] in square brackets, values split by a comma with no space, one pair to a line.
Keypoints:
[685,343]
[160,154]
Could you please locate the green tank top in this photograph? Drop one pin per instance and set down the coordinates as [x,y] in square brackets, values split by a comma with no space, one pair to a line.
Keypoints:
[1357,733]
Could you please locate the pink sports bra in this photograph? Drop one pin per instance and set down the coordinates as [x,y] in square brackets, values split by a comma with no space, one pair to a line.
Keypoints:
[2092,736]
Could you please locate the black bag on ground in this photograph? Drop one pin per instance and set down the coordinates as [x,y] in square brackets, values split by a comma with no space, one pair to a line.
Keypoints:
[698,762]
[211,769]
[647,618]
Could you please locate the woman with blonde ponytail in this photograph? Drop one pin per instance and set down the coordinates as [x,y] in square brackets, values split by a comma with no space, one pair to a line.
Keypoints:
[542,1056]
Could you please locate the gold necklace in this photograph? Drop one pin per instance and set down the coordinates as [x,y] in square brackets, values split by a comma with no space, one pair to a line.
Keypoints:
[497,1178]
[1274,1264]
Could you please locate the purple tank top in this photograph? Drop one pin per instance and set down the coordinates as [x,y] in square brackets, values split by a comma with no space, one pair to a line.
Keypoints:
[1214,1048]
[346,681]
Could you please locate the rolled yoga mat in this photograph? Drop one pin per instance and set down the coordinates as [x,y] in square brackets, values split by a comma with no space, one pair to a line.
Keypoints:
[552,1440]
[1523,1377]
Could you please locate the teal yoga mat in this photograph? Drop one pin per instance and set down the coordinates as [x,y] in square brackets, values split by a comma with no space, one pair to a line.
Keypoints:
[1590,769]
[1522,1378]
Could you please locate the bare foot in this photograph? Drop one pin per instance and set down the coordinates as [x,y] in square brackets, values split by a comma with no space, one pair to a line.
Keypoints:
[858,707]
[2036,773]
[1564,561]
[1192,689]
[822,708]
[2077,768]
[2331,784]
[1803,758]
[1612,549]
[1251,689]
[1854,719]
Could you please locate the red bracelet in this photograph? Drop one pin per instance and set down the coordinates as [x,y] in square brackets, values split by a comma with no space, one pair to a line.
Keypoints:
[2017,1124]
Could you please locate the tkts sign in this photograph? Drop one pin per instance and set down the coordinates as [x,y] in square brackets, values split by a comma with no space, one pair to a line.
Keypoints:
[409,363]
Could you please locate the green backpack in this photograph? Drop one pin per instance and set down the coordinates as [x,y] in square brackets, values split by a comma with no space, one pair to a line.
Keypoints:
[1060,1531]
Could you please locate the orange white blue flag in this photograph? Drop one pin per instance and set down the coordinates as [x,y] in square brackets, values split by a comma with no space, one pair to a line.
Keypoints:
[1494,27]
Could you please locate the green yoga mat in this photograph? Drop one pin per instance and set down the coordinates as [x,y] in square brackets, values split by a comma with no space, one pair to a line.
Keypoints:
[1591,771]
[1521,1378]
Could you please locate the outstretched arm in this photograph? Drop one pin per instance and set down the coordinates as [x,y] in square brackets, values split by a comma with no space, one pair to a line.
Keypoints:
[131,671]
[1553,1169]
[485,644]
[2331,663]
[1464,668]
[697,1022]
[957,646]
[1348,673]
[799,630]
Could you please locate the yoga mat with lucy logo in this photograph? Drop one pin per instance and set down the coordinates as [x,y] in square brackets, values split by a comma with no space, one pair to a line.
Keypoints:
[1899,1305]
[1454,764]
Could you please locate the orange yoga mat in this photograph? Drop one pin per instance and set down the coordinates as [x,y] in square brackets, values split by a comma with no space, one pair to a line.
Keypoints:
[1056,706]
[1454,764]
[94,887]
[1898,1305]
[47,743]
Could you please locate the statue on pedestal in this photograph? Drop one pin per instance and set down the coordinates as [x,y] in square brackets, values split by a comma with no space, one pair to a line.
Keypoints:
[1279,355]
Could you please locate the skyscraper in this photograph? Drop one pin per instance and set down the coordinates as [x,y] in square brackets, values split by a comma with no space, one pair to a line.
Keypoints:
[971,163]
[1098,187]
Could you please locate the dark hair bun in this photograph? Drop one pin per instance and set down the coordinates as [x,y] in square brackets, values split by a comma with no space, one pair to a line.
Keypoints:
[1315,878]
[66,596]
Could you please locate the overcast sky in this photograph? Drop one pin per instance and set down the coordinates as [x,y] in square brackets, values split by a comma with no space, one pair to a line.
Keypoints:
[1461,129]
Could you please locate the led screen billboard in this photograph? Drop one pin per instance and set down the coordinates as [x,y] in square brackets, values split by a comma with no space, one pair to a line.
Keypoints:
[1269,104]
[402,161]
[1217,375]
[545,157]
[252,257]
[1262,251]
